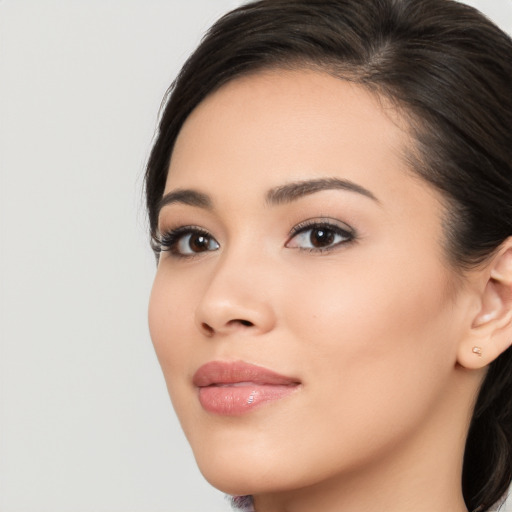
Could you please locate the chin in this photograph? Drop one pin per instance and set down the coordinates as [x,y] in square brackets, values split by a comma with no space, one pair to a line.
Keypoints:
[234,484]
[260,469]
[243,481]
[237,472]
[244,471]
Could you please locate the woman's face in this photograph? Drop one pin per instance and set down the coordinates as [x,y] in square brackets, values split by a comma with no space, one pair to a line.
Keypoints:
[297,240]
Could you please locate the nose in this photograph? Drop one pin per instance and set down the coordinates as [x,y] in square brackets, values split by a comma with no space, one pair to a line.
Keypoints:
[237,300]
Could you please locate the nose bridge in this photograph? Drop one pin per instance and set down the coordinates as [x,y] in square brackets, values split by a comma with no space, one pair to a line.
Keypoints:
[237,296]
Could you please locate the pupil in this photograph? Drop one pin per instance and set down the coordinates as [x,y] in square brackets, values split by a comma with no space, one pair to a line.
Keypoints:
[321,237]
[199,243]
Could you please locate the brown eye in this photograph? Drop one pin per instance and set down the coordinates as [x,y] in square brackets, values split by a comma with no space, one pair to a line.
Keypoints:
[199,243]
[319,237]
[195,242]
[187,241]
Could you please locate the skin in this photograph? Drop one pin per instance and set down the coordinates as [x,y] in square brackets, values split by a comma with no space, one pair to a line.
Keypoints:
[372,327]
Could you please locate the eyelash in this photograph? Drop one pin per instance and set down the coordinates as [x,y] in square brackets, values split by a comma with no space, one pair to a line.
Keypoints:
[168,241]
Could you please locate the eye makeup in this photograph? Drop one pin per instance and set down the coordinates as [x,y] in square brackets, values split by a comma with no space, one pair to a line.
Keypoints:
[187,241]
[320,235]
[317,235]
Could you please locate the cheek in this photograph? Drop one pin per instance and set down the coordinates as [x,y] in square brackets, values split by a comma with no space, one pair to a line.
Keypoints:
[171,318]
[171,325]
[378,347]
[371,306]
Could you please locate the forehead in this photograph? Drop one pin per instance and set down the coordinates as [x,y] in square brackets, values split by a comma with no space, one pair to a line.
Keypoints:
[283,125]
[271,128]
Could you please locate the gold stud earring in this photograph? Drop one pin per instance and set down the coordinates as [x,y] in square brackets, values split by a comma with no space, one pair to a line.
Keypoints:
[477,351]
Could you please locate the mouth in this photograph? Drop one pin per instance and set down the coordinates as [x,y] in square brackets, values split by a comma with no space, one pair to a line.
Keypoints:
[235,388]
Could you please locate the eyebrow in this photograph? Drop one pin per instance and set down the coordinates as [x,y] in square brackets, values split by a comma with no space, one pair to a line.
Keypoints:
[276,196]
[293,191]
[185,196]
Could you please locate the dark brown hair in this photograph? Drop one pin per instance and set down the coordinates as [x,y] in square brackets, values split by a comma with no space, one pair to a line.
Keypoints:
[449,70]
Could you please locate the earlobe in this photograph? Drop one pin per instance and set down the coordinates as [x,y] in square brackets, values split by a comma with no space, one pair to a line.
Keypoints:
[491,330]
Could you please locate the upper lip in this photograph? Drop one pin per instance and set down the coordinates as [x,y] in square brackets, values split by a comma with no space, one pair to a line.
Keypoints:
[222,372]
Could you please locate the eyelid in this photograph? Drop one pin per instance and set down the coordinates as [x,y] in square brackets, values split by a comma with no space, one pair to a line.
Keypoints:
[321,221]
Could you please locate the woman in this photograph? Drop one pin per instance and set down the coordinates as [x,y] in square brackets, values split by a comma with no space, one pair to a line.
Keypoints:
[329,197]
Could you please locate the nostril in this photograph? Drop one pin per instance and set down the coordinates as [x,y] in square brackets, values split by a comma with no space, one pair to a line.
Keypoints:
[246,323]
[210,331]
[239,321]
[207,328]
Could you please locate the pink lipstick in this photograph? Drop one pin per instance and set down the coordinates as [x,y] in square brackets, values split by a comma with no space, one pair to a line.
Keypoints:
[234,388]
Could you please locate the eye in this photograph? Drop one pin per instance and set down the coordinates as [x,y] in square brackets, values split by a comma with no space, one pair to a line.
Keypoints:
[319,236]
[187,241]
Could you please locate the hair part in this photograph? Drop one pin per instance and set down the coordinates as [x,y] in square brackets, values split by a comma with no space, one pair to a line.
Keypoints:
[449,71]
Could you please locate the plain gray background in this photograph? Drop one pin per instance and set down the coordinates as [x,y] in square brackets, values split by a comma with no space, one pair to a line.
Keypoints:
[86,424]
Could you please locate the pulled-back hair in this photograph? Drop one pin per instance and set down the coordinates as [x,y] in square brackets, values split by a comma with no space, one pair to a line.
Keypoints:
[449,71]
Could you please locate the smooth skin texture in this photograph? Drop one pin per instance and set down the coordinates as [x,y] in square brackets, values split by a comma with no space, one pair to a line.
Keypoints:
[368,315]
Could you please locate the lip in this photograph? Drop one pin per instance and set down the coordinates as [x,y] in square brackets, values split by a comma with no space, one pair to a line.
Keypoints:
[235,388]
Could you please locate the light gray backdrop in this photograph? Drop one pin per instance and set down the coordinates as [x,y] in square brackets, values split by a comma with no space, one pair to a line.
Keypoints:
[86,425]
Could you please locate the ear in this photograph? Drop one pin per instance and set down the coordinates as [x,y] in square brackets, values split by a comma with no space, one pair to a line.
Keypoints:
[491,330]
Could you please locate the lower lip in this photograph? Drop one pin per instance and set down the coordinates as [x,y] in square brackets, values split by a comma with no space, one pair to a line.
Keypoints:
[234,400]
